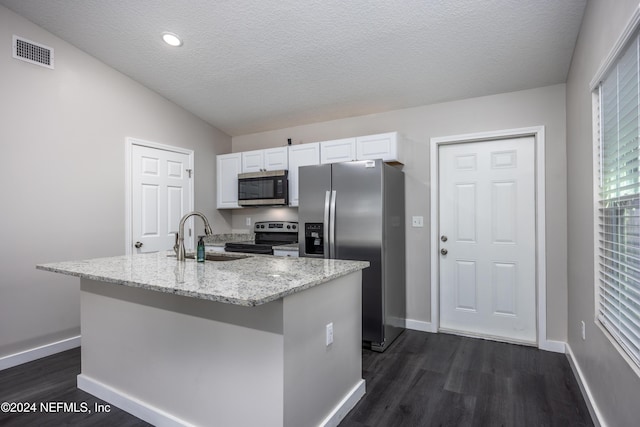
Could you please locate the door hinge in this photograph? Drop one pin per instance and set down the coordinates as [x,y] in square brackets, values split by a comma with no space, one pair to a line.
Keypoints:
[189,172]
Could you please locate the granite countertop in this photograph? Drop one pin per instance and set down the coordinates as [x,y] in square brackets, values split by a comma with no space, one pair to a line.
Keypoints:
[221,239]
[250,281]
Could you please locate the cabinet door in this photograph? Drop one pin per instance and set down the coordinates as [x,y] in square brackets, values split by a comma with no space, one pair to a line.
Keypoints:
[228,168]
[382,146]
[253,161]
[276,158]
[300,155]
[339,150]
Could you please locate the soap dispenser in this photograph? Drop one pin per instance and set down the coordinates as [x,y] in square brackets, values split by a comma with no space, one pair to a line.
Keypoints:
[200,253]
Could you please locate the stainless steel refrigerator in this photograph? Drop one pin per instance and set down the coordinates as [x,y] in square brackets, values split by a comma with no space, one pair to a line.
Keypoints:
[355,211]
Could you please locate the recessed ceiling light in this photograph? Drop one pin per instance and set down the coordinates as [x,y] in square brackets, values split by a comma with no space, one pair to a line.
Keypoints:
[171,39]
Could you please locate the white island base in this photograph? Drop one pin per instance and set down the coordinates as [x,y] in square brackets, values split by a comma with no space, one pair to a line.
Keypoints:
[174,360]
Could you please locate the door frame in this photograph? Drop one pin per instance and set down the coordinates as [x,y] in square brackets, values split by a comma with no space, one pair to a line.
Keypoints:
[128,180]
[538,133]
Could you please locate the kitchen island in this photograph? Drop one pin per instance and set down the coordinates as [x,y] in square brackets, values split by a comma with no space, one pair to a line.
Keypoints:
[231,343]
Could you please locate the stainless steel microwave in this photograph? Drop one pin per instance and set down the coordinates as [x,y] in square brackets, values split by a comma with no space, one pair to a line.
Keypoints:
[266,188]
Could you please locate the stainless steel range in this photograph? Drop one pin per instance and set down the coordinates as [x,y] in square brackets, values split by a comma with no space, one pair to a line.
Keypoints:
[268,235]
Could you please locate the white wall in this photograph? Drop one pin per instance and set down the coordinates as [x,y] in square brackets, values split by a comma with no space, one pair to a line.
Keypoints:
[542,106]
[615,386]
[63,138]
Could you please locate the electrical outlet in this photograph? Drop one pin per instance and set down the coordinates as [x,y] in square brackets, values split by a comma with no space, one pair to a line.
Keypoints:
[584,332]
[329,334]
[417,221]
[247,221]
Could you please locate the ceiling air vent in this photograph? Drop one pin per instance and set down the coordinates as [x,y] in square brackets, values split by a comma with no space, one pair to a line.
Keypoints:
[32,52]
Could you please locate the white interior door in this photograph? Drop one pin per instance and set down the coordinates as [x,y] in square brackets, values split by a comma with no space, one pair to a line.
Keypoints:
[487,239]
[161,195]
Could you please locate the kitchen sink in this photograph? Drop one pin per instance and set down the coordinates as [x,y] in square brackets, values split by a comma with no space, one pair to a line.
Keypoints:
[216,256]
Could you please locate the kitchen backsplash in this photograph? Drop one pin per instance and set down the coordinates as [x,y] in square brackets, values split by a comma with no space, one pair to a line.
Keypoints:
[239,216]
[229,237]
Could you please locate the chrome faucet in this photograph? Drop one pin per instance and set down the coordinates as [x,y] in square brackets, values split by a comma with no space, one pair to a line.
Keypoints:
[179,246]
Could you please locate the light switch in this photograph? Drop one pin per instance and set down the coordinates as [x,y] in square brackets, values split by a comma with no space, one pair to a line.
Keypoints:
[329,334]
[417,221]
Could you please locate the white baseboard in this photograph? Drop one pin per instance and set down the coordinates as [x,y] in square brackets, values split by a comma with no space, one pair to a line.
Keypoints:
[548,345]
[129,404]
[160,418]
[596,416]
[16,359]
[419,325]
[346,405]
[555,346]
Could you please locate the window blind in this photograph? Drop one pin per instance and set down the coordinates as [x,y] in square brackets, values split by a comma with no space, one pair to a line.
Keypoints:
[619,202]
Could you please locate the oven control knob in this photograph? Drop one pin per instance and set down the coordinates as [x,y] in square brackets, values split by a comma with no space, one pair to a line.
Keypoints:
[288,227]
[294,226]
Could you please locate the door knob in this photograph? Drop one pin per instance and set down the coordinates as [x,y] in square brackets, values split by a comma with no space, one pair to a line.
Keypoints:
[444,251]
[444,238]
[138,245]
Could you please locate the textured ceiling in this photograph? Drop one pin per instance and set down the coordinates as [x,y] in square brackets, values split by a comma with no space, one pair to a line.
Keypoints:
[254,65]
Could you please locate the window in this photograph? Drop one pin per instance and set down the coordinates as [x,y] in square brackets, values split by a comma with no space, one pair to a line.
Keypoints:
[618,234]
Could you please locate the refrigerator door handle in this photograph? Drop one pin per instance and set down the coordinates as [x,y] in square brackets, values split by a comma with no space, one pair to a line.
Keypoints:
[325,225]
[332,225]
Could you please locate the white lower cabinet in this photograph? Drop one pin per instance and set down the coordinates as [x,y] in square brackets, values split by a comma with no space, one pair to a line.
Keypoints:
[282,252]
[300,155]
[228,166]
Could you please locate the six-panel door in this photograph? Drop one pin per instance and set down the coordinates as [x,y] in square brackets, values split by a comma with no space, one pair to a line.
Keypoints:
[161,196]
[487,239]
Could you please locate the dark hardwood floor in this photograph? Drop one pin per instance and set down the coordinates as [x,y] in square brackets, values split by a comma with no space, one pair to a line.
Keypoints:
[53,379]
[445,380]
[421,380]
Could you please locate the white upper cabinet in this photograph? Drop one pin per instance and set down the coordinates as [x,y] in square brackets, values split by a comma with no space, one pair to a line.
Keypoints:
[252,161]
[227,170]
[268,159]
[300,155]
[276,158]
[338,150]
[385,146]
